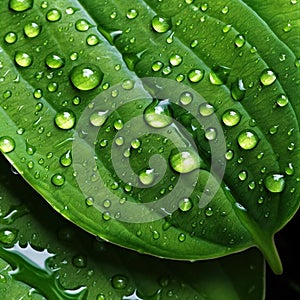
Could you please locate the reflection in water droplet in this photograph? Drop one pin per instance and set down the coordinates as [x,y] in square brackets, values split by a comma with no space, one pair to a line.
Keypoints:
[275,183]
[65,119]
[32,29]
[157,114]
[181,237]
[23,59]
[7,144]
[185,161]
[161,24]
[20,5]
[86,77]
[157,66]
[248,139]
[209,212]
[267,77]
[231,118]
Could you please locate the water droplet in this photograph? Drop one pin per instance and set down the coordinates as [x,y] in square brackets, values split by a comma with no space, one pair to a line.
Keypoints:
[58,179]
[66,159]
[147,177]
[10,37]
[7,144]
[79,261]
[32,29]
[119,141]
[118,124]
[273,129]
[82,25]
[282,100]
[157,114]
[89,201]
[275,183]
[267,77]
[195,75]
[210,133]
[98,118]
[239,40]
[289,170]
[227,28]
[7,94]
[65,119]
[74,56]
[38,94]
[53,15]
[194,43]
[209,212]
[185,204]
[248,139]
[132,14]
[20,5]
[86,77]
[119,282]
[7,236]
[157,66]
[288,27]
[225,10]
[181,237]
[161,24]
[238,90]
[219,75]
[54,61]
[229,155]
[135,144]
[52,87]
[92,40]
[205,109]
[128,84]
[185,161]
[101,297]
[186,98]
[231,118]
[204,7]
[23,59]
[175,60]
[243,175]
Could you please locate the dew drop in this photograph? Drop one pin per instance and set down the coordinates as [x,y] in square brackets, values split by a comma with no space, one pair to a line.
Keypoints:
[132,14]
[54,61]
[186,98]
[243,175]
[92,40]
[231,118]
[175,60]
[23,59]
[86,77]
[82,25]
[225,10]
[210,134]
[157,114]
[58,179]
[20,5]
[239,40]
[275,183]
[185,161]
[89,201]
[32,30]
[155,235]
[157,66]
[227,28]
[66,159]
[181,237]
[219,75]
[119,282]
[135,144]
[267,77]
[289,170]
[161,24]
[53,15]
[248,139]
[185,204]
[209,212]
[10,37]
[229,155]
[147,177]
[7,94]
[206,110]
[195,75]
[7,144]
[118,124]
[65,119]
[282,100]
[98,118]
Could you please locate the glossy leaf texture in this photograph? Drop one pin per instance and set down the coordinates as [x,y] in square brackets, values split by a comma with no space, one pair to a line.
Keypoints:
[106,106]
[57,260]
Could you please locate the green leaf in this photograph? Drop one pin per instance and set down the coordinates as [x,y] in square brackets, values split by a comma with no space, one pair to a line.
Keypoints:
[105,109]
[57,260]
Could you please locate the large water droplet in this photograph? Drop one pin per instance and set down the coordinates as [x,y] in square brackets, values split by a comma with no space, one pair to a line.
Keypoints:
[219,75]
[147,177]
[86,77]
[7,144]
[161,24]
[54,61]
[53,15]
[23,59]
[98,118]
[248,139]
[195,75]
[185,161]
[275,183]
[65,119]
[231,118]
[157,114]
[20,5]
[267,77]
[32,29]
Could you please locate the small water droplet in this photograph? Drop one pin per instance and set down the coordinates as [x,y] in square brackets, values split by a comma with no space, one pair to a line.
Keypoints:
[65,119]
[229,155]
[186,98]
[175,60]
[210,134]
[185,161]
[157,66]
[147,176]
[7,236]
[195,75]
[205,109]
[86,77]
[248,139]
[194,43]
[181,237]
[7,94]
[58,179]
[52,87]
[219,75]
[238,90]
[225,10]
[23,59]
[239,40]
[185,204]
[282,100]
[20,5]
[11,37]
[79,261]
[89,201]
[82,25]
[53,15]
[119,282]
[231,118]
[7,144]
[273,129]
[132,14]
[288,27]
[98,118]
[227,28]
[92,40]
[155,235]
[118,124]
[289,170]
[209,212]
[54,61]
[32,30]
[243,175]
[267,77]
[275,183]
[161,24]
[38,94]
[157,114]
[66,159]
